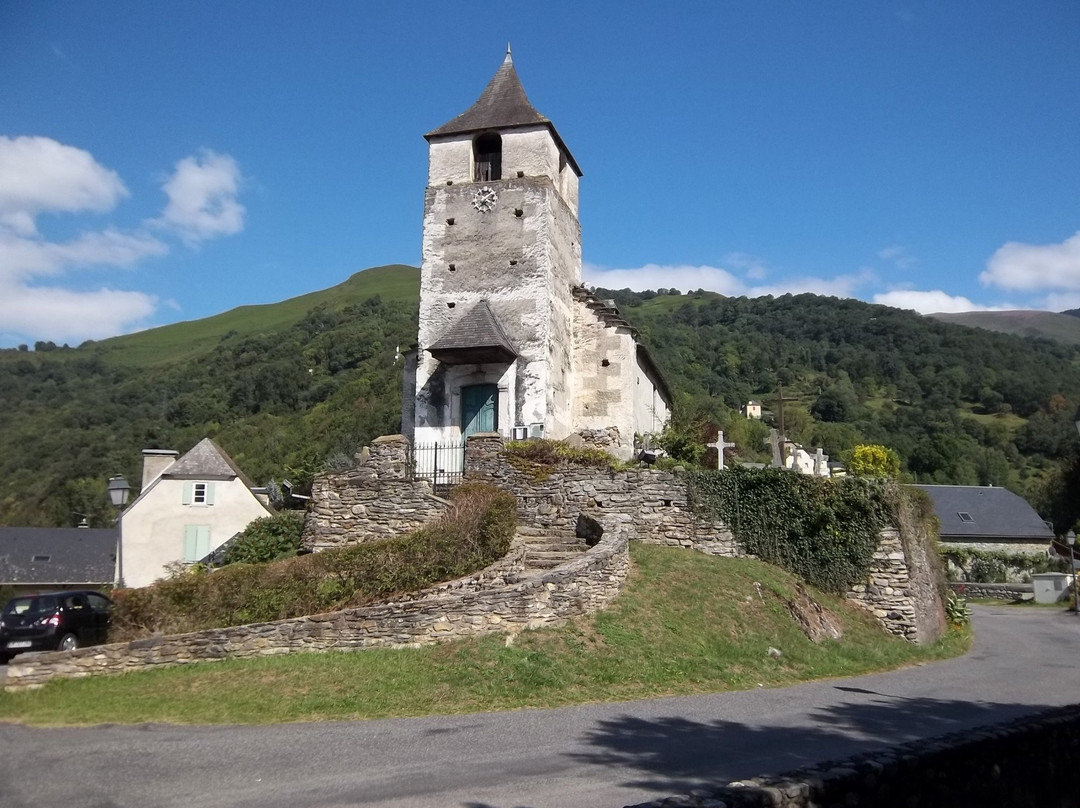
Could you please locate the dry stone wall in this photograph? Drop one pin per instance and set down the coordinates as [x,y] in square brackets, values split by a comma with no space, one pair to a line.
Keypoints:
[650,505]
[903,596]
[1027,763]
[1008,592]
[496,600]
[374,500]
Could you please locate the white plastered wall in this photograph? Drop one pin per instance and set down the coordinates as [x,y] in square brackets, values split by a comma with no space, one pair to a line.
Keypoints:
[651,411]
[152,528]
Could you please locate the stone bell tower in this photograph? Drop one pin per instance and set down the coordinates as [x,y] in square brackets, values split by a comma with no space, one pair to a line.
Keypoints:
[501,254]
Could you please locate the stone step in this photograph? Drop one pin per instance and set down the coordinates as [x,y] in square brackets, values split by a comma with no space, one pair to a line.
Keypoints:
[557,546]
[549,559]
[527,530]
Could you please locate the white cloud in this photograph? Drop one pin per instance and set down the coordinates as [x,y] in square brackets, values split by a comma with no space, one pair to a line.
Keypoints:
[898,256]
[38,174]
[840,286]
[22,258]
[654,276]
[1062,301]
[688,278]
[931,302]
[1035,266]
[202,198]
[62,315]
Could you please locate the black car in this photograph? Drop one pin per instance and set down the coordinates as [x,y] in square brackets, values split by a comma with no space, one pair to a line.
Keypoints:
[53,621]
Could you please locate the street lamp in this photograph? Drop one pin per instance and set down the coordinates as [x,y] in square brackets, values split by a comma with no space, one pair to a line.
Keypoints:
[119,491]
[1070,538]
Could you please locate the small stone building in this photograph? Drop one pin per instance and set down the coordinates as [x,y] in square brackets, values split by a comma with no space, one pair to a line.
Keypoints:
[509,340]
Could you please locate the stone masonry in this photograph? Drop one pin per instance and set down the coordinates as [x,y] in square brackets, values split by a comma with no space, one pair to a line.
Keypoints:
[374,500]
[494,600]
[650,504]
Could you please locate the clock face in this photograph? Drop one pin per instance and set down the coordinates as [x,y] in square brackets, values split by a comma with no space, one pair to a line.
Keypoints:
[484,199]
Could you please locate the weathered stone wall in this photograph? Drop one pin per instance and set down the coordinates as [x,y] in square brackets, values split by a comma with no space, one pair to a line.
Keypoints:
[903,587]
[374,500]
[495,600]
[1027,763]
[651,505]
[1010,591]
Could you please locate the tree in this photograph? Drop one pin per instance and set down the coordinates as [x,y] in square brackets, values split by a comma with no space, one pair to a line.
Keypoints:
[873,460]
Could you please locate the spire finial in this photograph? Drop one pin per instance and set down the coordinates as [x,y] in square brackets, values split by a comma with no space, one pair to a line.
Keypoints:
[508,57]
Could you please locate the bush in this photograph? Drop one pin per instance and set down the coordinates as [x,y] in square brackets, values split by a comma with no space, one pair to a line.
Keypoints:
[873,460]
[539,457]
[472,533]
[268,539]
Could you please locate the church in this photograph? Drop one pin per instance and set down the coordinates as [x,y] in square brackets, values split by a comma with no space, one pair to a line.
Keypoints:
[509,340]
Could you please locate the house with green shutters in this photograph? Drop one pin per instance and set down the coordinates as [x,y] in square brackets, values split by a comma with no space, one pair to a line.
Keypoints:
[187,508]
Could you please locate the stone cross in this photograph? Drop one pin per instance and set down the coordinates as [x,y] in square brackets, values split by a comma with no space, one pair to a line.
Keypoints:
[821,463]
[720,444]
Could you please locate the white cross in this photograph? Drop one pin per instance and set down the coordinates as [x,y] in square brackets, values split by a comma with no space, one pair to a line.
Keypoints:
[821,463]
[719,444]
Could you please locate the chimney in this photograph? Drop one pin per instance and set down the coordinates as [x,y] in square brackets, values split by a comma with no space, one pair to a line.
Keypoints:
[154,463]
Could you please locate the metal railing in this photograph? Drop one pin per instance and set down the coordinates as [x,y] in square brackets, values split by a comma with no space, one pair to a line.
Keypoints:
[441,464]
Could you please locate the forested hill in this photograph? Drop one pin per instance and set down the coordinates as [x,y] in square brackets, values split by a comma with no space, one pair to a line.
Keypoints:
[960,405]
[289,387]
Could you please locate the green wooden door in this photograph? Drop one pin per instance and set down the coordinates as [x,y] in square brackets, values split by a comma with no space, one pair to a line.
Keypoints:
[479,410]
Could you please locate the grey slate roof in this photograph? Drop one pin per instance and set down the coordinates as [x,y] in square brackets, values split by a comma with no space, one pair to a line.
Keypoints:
[205,461]
[502,105]
[75,555]
[996,513]
[477,331]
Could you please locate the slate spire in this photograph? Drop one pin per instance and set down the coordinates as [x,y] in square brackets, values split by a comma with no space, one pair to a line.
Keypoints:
[502,105]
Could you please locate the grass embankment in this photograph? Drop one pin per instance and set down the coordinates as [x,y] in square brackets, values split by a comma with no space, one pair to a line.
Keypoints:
[686,623]
[475,531]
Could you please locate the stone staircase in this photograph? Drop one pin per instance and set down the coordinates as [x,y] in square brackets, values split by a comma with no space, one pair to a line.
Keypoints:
[547,548]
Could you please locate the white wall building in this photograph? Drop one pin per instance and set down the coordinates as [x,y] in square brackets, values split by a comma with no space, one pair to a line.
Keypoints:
[187,508]
[509,340]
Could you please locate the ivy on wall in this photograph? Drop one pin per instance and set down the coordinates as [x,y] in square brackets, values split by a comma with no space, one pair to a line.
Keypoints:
[823,530]
[999,566]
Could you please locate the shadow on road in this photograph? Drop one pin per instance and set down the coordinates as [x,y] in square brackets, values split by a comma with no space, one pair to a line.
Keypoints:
[677,754]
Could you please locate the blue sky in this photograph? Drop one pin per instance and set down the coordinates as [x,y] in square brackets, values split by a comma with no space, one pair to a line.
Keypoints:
[166,162]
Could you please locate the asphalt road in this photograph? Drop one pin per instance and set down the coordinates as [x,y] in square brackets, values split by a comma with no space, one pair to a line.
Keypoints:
[597,755]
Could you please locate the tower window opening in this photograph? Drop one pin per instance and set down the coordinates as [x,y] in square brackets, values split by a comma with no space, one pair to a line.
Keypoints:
[487,157]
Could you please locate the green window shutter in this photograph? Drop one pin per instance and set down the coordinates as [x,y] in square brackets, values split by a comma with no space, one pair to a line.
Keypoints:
[209,493]
[196,542]
[191,536]
[188,486]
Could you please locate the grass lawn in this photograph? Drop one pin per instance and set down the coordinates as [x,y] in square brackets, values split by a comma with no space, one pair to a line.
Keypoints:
[686,623]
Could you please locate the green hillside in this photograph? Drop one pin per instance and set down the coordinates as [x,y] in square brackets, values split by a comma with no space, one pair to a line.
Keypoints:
[1044,324]
[288,388]
[181,341]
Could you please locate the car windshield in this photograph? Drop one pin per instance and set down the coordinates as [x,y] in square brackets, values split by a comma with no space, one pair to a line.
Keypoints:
[31,605]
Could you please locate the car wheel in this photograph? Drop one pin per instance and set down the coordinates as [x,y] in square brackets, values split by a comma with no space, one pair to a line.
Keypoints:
[69,642]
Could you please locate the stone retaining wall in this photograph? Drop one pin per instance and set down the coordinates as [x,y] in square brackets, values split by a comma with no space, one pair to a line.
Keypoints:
[651,505]
[1008,592]
[902,592]
[490,601]
[1027,763]
[374,500]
